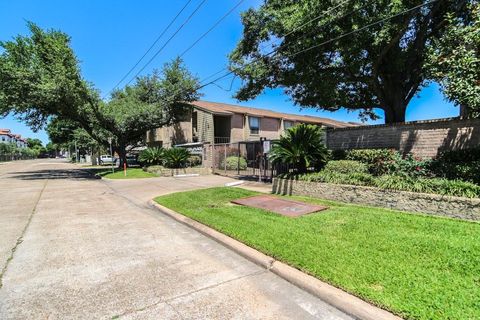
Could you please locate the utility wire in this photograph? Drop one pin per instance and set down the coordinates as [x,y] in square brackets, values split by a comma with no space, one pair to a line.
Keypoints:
[331,40]
[168,41]
[153,45]
[212,27]
[298,28]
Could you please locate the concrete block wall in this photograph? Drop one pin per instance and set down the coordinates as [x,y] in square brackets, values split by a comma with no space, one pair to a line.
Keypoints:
[422,138]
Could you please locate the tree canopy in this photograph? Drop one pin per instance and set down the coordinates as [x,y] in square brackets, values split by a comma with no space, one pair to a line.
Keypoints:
[34,143]
[40,78]
[382,66]
[455,62]
[153,101]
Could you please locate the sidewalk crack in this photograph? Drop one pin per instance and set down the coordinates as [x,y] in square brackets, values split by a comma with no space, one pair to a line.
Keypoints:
[167,301]
[22,234]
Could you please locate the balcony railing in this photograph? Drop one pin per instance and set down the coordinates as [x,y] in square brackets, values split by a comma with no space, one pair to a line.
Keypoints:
[221,139]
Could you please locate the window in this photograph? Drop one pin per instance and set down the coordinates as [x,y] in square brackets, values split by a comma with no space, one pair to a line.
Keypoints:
[287,124]
[254,124]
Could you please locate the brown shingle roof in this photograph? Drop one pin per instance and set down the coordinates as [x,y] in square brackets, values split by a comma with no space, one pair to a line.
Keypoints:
[228,109]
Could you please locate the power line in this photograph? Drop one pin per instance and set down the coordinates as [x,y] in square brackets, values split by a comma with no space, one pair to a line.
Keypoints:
[212,27]
[168,41]
[153,44]
[298,28]
[332,40]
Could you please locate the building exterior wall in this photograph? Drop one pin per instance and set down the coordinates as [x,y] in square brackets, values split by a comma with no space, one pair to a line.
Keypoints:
[270,128]
[237,123]
[169,136]
[5,138]
[422,138]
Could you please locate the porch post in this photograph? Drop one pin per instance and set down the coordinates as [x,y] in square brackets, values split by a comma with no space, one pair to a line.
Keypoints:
[238,160]
[225,159]
[213,157]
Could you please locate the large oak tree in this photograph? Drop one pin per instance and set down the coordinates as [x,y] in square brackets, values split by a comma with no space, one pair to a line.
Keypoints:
[40,78]
[379,67]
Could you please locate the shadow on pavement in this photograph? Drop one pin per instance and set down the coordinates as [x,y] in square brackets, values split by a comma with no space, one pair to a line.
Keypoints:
[71,174]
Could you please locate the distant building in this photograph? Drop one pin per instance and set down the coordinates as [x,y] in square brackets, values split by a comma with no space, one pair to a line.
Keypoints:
[225,123]
[6,136]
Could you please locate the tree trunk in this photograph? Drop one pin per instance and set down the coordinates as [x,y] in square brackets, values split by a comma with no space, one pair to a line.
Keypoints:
[122,156]
[394,105]
[464,112]
[394,115]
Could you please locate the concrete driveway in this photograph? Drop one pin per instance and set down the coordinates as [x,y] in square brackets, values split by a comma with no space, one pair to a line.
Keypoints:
[73,247]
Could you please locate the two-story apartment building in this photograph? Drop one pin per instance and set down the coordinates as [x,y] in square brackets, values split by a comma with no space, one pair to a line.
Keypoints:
[214,122]
[6,136]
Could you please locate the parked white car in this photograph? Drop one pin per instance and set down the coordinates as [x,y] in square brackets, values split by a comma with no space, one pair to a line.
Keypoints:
[107,159]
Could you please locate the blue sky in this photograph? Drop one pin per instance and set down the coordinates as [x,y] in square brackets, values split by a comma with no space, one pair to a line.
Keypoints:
[110,36]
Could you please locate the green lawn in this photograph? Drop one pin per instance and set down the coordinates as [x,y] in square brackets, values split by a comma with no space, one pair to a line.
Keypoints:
[132,173]
[419,267]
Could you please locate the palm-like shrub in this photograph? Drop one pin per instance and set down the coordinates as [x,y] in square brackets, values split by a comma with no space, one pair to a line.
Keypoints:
[302,147]
[176,157]
[151,156]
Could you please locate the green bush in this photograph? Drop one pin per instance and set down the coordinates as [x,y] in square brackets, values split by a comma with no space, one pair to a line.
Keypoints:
[412,166]
[194,161]
[234,163]
[151,156]
[458,164]
[346,167]
[176,157]
[337,154]
[395,182]
[357,178]
[153,169]
[388,161]
[379,161]
[434,185]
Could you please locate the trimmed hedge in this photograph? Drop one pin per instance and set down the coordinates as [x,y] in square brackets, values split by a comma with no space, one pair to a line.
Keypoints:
[194,161]
[358,179]
[458,164]
[234,163]
[346,166]
[394,182]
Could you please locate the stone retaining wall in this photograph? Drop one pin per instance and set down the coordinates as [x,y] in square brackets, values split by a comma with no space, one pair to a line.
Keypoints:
[455,207]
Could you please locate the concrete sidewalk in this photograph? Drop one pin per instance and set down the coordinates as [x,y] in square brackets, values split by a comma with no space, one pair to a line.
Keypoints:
[88,248]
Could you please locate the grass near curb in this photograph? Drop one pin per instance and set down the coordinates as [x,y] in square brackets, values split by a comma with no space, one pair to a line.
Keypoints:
[132,173]
[419,267]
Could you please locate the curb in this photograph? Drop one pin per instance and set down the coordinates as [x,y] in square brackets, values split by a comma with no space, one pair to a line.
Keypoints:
[338,298]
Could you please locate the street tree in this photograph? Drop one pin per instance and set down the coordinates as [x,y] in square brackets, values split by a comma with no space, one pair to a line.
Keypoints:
[34,143]
[455,62]
[68,135]
[323,63]
[154,101]
[40,78]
